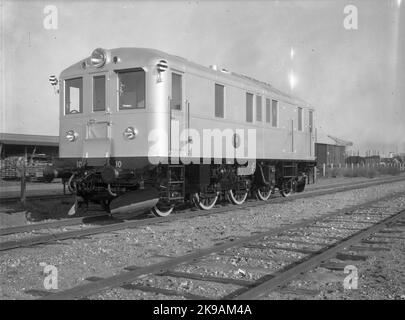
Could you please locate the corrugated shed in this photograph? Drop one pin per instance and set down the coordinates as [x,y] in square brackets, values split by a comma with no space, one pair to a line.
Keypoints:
[28,139]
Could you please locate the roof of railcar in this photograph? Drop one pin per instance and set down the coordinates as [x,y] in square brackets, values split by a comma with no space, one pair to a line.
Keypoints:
[148,53]
[246,78]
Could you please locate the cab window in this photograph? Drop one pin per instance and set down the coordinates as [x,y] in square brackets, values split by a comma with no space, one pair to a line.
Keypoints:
[74,96]
[177,91]
[274,113]
[219,100]
[249,107]
[258,108]
[300,119]
[131,89]
[268,112]
[99,93]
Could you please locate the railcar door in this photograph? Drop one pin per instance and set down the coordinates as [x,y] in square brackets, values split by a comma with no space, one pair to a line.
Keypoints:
[97,143]
[179,117]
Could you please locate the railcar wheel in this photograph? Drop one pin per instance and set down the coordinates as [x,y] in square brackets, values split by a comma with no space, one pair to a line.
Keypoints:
[263,193]
[162,209]
[287,189]
[286,192]
[205,201]
[71,186]
[237,196]
[301,187]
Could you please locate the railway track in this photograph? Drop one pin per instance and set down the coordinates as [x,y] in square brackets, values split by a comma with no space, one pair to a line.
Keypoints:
[143,220]
[297,248]
[44,197]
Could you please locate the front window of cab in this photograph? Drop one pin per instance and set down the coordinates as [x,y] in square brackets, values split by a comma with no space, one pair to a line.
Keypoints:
[74,96]
[131,89]
[99,93]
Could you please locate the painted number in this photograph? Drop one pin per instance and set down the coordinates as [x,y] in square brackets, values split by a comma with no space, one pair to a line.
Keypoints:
[118,163]
[79,163]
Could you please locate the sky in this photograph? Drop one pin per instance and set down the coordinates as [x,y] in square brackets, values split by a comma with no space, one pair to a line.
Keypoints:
[354,78]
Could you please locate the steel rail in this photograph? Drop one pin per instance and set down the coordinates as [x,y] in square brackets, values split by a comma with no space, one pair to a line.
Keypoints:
[42,197]
[41,239]
[51,224]
[286,275]
[162,267]
[79,220]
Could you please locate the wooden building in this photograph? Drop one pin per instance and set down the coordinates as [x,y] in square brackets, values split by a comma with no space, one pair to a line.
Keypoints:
[330,150]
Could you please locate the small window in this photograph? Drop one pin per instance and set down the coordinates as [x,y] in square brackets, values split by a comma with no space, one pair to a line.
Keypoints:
[131,88]
[177,92]
[258,108]
[300,119]
[99,93]
[249,107]
[311,120]
[268,110]
[274,113]
[219,100]
[74,96]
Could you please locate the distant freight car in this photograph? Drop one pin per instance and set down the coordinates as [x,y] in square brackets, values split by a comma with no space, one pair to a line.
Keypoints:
[138,124]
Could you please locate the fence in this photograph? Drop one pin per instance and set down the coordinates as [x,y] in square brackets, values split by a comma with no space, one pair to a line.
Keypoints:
[359,169]
[11,169]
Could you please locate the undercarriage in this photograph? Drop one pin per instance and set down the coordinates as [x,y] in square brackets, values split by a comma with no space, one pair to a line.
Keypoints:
[173,184]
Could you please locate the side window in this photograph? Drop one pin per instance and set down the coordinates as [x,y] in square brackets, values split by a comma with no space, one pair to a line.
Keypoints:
[249,107]
[274,113]
[131,88]
[268,110]
[74,96]
[177,91]
[219,100]
[311,120]
[99,93]
[258,108]
[300,118]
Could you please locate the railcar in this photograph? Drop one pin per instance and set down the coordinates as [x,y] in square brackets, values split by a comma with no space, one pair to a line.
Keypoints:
[139,124]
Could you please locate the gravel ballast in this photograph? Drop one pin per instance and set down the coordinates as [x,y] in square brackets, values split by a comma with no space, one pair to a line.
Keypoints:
[107,254]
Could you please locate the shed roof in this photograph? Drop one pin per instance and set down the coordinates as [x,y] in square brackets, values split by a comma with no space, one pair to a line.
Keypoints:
[323,138]
[29,139]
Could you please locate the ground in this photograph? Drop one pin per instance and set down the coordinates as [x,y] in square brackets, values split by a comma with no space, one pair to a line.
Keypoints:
[107,254]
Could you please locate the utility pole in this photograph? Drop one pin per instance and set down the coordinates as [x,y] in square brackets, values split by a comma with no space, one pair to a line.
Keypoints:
[23,182]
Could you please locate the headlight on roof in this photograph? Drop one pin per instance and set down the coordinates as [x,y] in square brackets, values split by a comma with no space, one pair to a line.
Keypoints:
[71,135]
[98,57]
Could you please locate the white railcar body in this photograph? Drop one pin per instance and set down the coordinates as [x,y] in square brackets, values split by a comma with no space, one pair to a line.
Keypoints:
[132,119]
[283,141]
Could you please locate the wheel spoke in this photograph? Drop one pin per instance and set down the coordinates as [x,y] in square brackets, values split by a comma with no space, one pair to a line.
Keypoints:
[205,201]
[263,193]
[237,196]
